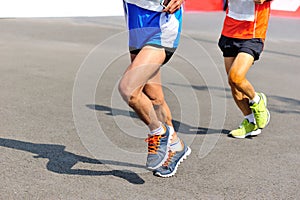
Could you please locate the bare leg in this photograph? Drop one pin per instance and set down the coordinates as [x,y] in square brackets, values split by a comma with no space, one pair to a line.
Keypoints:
[241,88]
[144,67]
[153,89]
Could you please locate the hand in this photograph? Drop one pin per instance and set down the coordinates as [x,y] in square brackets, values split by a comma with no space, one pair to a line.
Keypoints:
[259,1]
[173,6]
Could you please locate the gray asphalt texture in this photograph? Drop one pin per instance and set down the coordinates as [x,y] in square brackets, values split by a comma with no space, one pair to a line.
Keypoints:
[43,155]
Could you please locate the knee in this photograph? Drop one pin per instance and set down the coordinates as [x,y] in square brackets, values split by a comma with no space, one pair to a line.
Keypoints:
[124,91]
[235,79]
[129,96]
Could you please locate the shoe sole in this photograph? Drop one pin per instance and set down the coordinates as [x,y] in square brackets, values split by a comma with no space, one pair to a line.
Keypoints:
[166,156]
[185,155]
[269,115]
[252,133]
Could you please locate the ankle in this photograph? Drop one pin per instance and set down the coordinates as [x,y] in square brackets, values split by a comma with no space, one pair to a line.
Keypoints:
[158,131]
[176,145]
[256,99]
[250,118]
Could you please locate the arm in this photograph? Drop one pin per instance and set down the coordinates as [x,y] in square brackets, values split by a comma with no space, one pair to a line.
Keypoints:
[173,6]
[261,1]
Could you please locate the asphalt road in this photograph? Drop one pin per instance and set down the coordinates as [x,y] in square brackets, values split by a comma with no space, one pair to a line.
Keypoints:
[65,133]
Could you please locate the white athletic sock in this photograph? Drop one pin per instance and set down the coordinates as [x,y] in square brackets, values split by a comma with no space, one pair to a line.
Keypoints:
[176,146]
[171,129]
[256,99]
[250,118]
[159,131]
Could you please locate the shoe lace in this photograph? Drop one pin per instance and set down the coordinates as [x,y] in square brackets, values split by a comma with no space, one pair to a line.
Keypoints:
[153,143]
[170,156]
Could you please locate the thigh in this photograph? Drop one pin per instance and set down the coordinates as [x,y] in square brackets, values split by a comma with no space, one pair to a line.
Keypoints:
[228,61]
[241,66]
[143,68]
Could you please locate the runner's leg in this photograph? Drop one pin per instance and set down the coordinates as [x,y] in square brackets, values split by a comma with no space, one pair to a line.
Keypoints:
[241,88]
[146,64]
[153,89]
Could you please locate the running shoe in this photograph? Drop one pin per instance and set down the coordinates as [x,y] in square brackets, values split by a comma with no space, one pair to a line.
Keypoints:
[158,146]
[169,168]
[260,111]
[245,129]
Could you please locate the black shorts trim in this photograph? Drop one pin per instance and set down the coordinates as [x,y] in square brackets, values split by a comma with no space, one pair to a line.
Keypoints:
[231,47]
[169,51]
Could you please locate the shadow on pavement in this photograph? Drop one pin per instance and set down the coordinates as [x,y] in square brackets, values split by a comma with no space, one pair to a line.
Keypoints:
[284,105]
[278,104]
[61,161]
[178,126]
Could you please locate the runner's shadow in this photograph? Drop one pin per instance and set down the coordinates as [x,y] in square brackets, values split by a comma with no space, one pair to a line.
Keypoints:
[278,104]
[61,161]
[178,126]
[188,129]
[284,105]
[112,111]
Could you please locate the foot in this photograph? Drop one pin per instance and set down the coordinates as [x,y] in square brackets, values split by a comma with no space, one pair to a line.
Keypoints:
[169,168]
[261,113]
[158,146]
[246,129]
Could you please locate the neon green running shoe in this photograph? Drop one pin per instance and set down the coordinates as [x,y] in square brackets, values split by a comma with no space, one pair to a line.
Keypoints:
[246,129]
[260,111]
